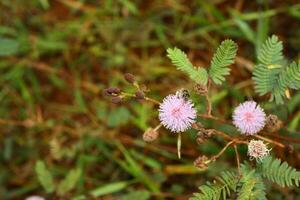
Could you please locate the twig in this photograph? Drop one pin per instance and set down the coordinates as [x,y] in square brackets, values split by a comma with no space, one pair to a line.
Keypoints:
[237,159]
[152,100]
[223,150]
[288,139]
[209,106]
[269,140]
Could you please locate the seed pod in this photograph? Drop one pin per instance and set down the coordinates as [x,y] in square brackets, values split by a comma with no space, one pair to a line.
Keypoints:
[273,124]
[150,135]
[139,95]
[200,162]
[200,89]
[129,78]
[116,100]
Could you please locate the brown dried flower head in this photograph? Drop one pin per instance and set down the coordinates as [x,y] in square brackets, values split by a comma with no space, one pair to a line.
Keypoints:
[201,162]
[273,123]
[200,89]
[204,134]
[150,135]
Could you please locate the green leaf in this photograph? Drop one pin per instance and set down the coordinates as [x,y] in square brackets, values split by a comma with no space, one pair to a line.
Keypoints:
[271,75]
[44,176]
[181,61]
[118,117]
[222,187]
[140,195]
[252,185]
[270,53]
[69,182]
[8,47]
[290,76]
[279,172]
[109,188]
[221,61]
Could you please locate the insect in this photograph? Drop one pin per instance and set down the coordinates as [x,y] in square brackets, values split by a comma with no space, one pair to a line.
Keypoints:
[183,93]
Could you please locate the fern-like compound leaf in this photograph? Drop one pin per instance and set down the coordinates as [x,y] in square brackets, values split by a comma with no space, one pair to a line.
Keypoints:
[252,185]
[270,53]
[220,188]
[221,61]
[44,176]
[290,76]
[265,79]
[271,75]
[181,61]
[279,172]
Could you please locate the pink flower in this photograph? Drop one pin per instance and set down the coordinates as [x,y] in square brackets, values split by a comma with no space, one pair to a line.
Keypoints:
[249,118]
[35,198]
[177,113]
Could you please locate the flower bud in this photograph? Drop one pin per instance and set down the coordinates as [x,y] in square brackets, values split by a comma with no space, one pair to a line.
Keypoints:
[150,135]
[200,89]
[113,90]
[273,124]
[129,78]
[105,92]
[139,95]
[116,100]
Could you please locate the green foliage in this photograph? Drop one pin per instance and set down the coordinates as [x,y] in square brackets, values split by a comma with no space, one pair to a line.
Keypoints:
[270,53]
[139,194]
[181,61]
[279,172]
[290,76]
[221,61]
[109,188]
[271,75]
[219,67]
[219,188]
[8,46]
[44,176]
[69,182]
[252,185]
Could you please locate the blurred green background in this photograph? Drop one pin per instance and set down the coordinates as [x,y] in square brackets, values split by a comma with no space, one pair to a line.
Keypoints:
[56,57]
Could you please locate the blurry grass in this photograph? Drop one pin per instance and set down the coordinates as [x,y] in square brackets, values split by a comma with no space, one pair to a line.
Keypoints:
[57,56]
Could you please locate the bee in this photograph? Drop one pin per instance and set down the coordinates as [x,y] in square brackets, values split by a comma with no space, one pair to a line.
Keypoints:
[183,93]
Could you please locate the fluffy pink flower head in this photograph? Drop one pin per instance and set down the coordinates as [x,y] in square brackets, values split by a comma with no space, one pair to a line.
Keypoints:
[35,198]
[249,118]
[177,113]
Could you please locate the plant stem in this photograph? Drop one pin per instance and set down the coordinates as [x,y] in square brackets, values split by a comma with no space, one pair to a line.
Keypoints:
[269,140]
[179,145]
[237,159]
[223,150]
